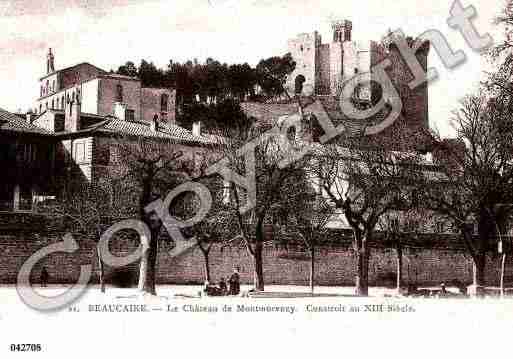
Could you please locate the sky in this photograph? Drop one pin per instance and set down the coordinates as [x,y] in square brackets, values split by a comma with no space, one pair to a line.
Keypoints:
[107,33]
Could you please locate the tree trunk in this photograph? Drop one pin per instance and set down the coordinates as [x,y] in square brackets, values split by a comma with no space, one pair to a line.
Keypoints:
[101,270]
[258,256]
[503,268]
[479,262]
[147,269]
[399,267]
[312,268]
[362,269]
[259,267]
[206,265]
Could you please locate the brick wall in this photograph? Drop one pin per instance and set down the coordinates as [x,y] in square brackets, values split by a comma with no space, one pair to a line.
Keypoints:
[334,265]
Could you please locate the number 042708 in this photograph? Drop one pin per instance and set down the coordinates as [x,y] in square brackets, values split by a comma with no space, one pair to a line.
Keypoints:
[26,347]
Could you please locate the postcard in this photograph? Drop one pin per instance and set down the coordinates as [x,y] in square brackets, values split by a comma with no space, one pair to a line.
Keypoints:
[255,178]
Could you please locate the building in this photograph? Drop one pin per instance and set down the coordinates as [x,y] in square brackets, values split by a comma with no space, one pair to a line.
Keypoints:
[102,93]
[26,155]
[81,112]
[322,68]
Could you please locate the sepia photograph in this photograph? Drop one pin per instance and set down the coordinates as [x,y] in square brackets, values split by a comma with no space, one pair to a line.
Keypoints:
[286,178]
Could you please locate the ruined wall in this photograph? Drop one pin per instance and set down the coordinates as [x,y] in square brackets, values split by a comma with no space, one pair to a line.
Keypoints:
[415,101]
[303,50]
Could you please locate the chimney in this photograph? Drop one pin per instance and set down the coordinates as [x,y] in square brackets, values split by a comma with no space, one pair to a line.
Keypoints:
[154,124]
[29,117]
[72,115]
[50,62]
[120,110]
[196,128]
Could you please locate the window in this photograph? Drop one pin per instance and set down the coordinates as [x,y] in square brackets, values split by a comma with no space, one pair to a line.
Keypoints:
[79,155]
[57,103]
[164,101]
[355,70]
[119,93]
[53,85]
[130,115]
[62,102]
[26,152]
[53,104]
[40,108]
[301,48]
[439,227]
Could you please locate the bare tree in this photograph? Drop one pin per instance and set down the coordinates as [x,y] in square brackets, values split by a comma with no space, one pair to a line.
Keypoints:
[149,169]
[476,170]
[262,155]
[366,179]
[218,223]
[309,214]
[87,209]
[395,225]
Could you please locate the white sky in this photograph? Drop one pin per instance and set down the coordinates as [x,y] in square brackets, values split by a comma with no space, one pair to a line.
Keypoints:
[109,32]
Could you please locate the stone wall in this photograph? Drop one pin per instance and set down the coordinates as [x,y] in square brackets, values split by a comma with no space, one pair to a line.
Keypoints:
[304,50]
[151,104]
[334,264]
[107,95]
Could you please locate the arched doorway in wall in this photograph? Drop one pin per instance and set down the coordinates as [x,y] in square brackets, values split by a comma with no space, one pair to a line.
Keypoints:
[298,84]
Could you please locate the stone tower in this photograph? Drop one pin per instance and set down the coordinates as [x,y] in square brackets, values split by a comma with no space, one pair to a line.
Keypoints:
[342,30]
[304,50]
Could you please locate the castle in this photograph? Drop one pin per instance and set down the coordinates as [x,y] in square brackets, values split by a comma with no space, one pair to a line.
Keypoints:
[323,68]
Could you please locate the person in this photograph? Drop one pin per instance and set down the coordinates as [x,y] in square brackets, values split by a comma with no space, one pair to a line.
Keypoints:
[443,291]
[44,277]
[234,282]
[222,286]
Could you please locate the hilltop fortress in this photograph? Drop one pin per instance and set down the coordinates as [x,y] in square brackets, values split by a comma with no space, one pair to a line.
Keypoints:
[323,68]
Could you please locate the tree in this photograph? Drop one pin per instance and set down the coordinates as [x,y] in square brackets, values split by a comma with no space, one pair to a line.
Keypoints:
[87,209]
[365,180]
[242,81]
[150,75]
[128,69]
[272,74]
[477,173]
[149,169]
[217,224]
[309,216]
[244,141]
[396,224]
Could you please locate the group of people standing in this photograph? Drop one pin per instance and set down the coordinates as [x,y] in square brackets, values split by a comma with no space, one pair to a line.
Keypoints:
[232,288]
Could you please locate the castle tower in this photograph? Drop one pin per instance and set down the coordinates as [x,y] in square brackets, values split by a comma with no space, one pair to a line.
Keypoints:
[304,49]
[342,30]
[50,62]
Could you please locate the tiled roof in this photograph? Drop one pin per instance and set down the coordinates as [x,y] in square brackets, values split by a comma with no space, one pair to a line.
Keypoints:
[13,123]
[118,76]
[72,67]
[267,113]
[142,129]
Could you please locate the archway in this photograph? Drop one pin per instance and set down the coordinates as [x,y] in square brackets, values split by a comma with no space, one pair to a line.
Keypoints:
[299,81]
